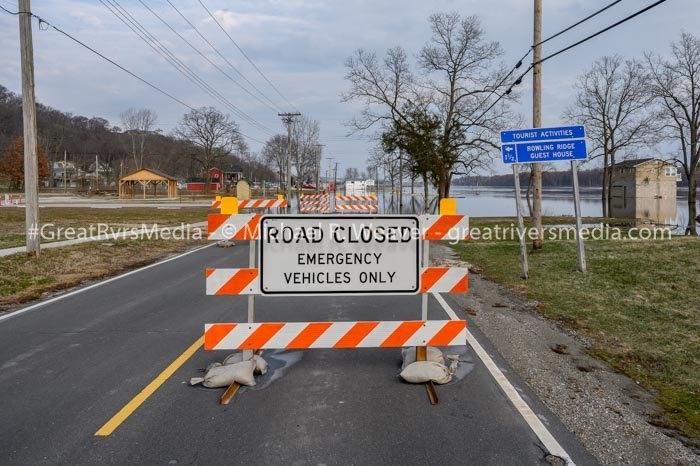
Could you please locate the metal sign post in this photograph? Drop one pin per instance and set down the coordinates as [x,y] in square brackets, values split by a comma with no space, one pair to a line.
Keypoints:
[577,208]
[540,145]
[521,226]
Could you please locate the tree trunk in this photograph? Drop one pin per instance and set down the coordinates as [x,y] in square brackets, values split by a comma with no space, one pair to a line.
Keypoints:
[611,178]
[425,193]
[604,193]
[692,203]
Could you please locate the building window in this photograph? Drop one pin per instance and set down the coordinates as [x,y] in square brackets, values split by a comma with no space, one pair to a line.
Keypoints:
[670,171]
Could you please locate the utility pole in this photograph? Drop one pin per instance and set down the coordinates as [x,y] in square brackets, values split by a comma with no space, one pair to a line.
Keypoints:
[537,122]
[65,167]
[328,178]
[288,119]
[400,181]
[97,173]
[318,167]
[31,162]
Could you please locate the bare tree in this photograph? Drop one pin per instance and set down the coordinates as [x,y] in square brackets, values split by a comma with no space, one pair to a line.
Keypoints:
[675,83]
[138,123]
[305,146]
[214,134]
[274,154]
[612,101]
[459,75]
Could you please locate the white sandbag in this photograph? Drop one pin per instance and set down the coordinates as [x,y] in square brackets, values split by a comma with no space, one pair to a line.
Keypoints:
[260,363]
[233,358]
[223,376]
[432,354]
[212,365]
[424,371]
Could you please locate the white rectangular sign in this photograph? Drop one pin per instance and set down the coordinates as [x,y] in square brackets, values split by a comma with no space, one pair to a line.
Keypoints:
[339,255]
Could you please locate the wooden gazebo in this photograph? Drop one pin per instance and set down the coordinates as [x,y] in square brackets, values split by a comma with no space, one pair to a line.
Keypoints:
[141,180]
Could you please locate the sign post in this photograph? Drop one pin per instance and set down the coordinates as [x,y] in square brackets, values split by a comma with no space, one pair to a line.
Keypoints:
[540,145]
[521,226]
[577,208]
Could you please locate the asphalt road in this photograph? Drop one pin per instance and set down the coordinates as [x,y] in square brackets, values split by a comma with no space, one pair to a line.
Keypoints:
[67,367]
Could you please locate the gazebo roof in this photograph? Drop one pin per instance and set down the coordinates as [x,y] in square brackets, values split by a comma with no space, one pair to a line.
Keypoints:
[147,174]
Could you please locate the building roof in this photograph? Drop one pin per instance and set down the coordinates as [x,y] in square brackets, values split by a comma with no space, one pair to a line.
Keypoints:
[633,163]
[147,174]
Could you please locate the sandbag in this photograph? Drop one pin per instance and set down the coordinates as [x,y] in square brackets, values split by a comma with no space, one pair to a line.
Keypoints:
[260,363]
[225,375]
[212,365]
[432,354]
[424,371]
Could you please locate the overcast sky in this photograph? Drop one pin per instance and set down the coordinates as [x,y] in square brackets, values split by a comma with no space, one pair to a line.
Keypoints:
[301,46]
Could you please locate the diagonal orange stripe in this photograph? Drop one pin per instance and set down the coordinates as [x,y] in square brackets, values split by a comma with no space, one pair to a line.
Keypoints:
[402,333]
[355,335]
[430,276]
[441,227]
[261,336]
[215,334]
[214,221]
[462,286]
[210,271]
[238,282]
[309,335]
[250,230]
[447,333]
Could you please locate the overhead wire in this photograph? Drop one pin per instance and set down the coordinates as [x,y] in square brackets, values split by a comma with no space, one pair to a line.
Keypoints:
[199,52]
[246,55]
[221,55]
[132,23]
[548,57]
[114,63]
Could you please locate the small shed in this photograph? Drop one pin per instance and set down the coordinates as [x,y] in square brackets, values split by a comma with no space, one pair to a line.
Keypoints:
[146,180]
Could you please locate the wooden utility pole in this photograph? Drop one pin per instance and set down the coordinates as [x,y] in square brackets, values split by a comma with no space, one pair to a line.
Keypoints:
[288,119]
[537,122]
[31,162]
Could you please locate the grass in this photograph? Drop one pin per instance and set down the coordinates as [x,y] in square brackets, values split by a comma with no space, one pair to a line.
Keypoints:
[25,278]
[638,304]
[12,232]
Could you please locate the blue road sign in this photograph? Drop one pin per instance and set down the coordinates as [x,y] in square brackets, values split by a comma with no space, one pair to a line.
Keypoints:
[545,151]
[544,144]
[543,134]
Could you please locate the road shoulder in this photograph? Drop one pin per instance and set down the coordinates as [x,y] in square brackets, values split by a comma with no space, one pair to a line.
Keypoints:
[607,411]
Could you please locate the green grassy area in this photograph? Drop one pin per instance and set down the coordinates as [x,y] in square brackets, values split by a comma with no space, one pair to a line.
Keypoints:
[12,220]
[639,304]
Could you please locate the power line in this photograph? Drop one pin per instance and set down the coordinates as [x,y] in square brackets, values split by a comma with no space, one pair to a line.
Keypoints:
[624,20]
[246,55]
[150,40]
[207,58]
[221,55]
[521,76]
[130,73]
[592,15]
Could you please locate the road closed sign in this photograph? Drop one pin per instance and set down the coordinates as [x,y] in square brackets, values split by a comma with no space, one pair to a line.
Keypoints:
[303,255]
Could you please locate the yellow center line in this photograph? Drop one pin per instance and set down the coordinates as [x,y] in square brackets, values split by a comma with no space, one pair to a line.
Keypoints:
[134,404]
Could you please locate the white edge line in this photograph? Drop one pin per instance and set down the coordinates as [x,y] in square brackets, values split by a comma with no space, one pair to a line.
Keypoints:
[95,285]
[547,439]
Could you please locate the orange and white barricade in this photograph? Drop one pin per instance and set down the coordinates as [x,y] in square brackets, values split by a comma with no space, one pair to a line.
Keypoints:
[309,203]
[353,203]
[308,335]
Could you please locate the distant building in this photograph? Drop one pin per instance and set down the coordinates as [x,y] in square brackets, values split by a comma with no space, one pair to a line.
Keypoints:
[147,182]
[219,178]
[645,189]
[358,188]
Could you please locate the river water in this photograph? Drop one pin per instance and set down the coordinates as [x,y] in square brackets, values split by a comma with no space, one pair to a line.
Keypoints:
[500,202]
